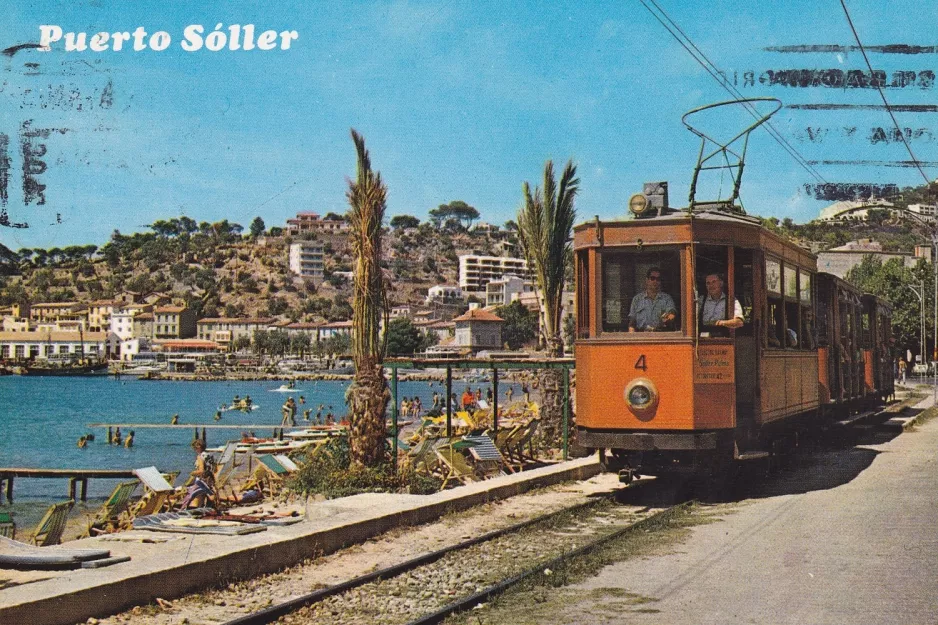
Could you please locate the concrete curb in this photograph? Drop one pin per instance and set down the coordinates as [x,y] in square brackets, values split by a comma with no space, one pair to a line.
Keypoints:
[102,592]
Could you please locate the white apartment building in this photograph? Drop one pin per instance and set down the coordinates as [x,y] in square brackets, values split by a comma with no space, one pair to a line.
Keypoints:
[477,271]
[445,294]
[505,291]
[925,211]
[307,259]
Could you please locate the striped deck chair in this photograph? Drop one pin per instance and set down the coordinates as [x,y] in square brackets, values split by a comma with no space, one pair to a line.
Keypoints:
[157,493]
[50,528]
[488,460]
[504,436]
[226,467]
[107,518]
[455,465]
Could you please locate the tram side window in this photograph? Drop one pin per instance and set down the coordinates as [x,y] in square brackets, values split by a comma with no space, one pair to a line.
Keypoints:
[583,295]
[649,279]
[775,320]
[805,296]
[792,309]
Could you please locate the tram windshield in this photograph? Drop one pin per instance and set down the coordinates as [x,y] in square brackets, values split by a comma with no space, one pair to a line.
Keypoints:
[641,291]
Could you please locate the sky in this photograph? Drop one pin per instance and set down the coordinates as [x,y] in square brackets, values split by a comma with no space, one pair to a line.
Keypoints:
[458,100]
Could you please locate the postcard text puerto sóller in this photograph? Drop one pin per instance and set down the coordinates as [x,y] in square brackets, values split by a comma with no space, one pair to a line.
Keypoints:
[195,37]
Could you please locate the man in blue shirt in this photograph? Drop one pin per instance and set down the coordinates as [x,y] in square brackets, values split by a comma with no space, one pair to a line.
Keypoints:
[651,310]
[713,309]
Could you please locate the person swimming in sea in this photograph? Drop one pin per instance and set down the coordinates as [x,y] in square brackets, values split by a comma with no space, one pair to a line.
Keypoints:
[218,415]
[175,420]
[82,442]
[130,440]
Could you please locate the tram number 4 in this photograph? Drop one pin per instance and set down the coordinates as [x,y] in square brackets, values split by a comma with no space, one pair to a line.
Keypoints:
[641,364]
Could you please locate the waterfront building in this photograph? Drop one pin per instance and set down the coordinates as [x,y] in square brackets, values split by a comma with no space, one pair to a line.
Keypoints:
[307,259]
[173,322]
[100,312]
[43,344]
[69,313]
[478,329]
[123,320]
[143,325]
[226,330]
[310,329]
[475,272]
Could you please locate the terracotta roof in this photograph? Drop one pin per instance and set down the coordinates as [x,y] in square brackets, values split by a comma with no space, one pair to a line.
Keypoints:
[147,316]
[169,309]
[55,305]
[254,320]
[189,343]
[477,314]
[338,324]
[305,325]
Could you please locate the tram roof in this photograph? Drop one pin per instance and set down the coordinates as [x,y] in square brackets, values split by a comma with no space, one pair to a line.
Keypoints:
[680,226]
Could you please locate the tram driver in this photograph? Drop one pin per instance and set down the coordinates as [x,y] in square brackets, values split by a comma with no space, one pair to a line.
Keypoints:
[713,311]
[651,309]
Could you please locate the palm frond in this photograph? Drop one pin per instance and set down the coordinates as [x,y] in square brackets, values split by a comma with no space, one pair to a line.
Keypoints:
[545,224]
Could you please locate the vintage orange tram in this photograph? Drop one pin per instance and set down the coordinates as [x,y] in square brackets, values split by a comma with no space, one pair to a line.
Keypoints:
[660,388]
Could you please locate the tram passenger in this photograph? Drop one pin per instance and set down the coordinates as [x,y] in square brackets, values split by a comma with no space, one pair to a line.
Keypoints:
[651,309]
[713,310]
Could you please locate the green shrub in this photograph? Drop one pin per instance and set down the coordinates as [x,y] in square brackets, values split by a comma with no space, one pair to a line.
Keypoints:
[330,473]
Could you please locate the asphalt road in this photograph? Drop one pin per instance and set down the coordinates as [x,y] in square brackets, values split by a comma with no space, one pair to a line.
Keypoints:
[848,535]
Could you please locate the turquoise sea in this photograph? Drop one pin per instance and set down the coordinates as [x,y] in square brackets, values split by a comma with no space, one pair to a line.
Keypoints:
[43,417]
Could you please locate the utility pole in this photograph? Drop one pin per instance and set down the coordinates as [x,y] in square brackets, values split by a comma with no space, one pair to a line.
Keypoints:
[920,294]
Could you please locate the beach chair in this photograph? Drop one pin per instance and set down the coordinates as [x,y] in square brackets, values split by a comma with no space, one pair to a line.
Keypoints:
[504,437]
[107,519]
[226,466]
[522,439]
[488,460]
[455,466]
[421,457]
[7,526]
[50,528]
[157,495]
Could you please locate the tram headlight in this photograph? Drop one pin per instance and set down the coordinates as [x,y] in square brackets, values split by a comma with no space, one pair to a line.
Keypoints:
[638,204]
[641,396]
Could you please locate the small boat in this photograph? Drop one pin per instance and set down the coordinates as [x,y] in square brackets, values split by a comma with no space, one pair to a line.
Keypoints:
[241,407]
[141,370]
[284,388]
[316,432]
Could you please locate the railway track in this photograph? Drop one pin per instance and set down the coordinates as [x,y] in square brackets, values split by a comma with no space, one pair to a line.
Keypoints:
[472,571]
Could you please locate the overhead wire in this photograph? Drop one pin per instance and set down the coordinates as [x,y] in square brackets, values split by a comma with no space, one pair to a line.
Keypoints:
[718,75]
[882,95]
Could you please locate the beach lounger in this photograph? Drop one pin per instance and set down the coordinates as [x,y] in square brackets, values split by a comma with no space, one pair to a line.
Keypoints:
[20,556]
[50,528]
[488,459]
[158,492]
[456,466]
[107,519]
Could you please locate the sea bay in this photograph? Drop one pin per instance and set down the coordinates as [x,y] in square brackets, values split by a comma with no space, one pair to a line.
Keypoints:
[42,419]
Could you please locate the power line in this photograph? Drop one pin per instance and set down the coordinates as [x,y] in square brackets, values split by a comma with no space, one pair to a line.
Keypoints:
[717,75]
[879,88]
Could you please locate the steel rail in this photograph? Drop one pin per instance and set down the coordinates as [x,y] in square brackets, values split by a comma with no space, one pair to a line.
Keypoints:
[272,613]
[484,595]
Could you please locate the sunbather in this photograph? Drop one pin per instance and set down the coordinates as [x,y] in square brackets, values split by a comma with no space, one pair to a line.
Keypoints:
[203,486]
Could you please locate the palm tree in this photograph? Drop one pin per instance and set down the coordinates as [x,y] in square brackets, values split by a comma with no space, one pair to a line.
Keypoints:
[545,225]
[368,395]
